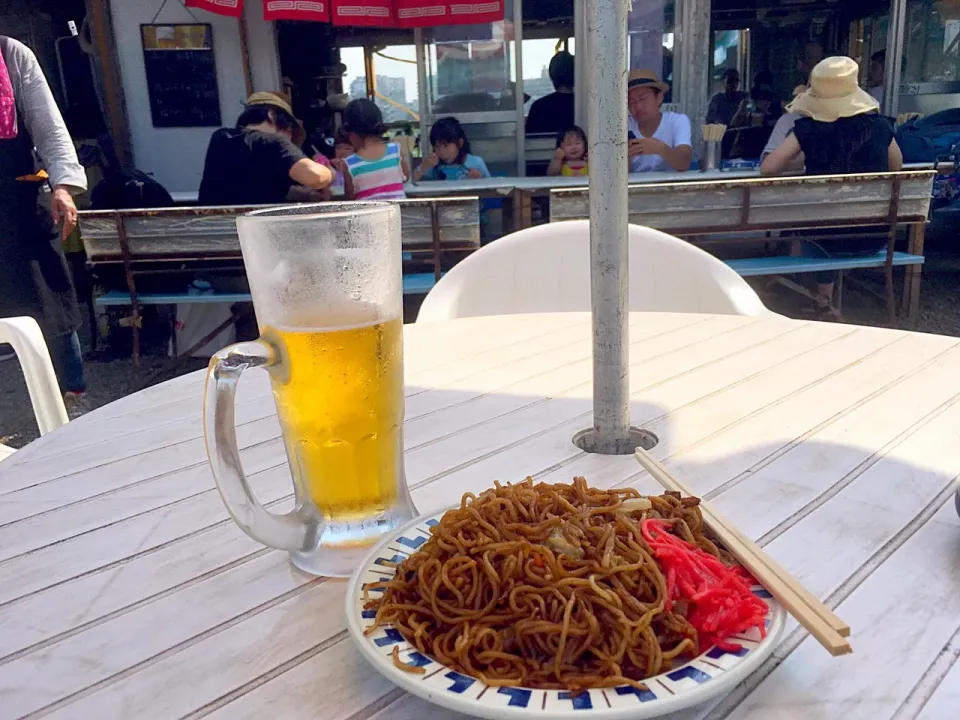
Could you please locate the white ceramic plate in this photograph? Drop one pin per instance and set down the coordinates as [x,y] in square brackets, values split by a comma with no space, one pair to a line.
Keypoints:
[709,676]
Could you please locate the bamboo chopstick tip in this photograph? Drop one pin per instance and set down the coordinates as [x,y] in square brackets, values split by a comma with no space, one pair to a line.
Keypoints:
[841,650]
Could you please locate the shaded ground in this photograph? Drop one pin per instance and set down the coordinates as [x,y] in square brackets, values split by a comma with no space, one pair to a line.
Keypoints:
[110,380]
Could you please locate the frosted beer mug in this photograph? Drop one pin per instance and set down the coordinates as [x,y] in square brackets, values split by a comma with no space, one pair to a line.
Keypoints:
[327,288]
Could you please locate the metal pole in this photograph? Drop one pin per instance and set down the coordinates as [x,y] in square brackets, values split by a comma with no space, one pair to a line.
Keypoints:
[609,269]
[691,60]
[245,55]
[896,32]
[104,39]
[424,97]
[518,87]
[580,66]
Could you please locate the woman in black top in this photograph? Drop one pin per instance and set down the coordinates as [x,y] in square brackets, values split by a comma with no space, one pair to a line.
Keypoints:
[839,132]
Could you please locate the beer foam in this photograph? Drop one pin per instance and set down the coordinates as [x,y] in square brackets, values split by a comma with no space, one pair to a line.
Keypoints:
[337,321]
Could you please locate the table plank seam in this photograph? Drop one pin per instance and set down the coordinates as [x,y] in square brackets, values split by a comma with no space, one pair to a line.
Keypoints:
[932,678]
[652,421]
[105,413]
[276,437]
[272,414]
[33,456]
[138,555]
[682,451]
[799,440]
[270,439]
[500,349]
[520,341]
[783,450]
[135,483]
[143,602]
[546,431]
[142,481]
[114,521]
[382,703]
[789,396]
[308,584]
[205,489]
[856,472]
[542,371]
[789,644]
[269,675]
[114,460]
[536,400]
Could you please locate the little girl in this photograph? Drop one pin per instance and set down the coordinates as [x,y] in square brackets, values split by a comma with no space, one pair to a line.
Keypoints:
[377,169]
[451,158]
[329,151]
[570,159]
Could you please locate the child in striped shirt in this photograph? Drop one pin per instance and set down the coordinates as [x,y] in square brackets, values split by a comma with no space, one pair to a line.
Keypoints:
[377,169]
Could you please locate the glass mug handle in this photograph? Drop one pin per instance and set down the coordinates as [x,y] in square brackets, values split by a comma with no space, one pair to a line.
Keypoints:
[283,532]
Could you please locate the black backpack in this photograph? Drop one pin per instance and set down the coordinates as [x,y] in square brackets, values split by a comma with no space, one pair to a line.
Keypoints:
[129,190]
[932,138]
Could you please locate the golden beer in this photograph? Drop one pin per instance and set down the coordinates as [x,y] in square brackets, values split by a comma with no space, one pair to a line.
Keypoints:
[339,396]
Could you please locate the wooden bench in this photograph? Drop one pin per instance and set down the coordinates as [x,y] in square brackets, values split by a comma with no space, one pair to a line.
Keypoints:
[732,208]
[436,233]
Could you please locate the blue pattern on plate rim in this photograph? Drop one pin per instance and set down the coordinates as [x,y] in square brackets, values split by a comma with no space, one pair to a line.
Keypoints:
[468,694]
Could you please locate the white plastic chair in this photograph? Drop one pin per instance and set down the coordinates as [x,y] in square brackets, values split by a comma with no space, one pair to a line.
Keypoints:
[24,335]
[547,269]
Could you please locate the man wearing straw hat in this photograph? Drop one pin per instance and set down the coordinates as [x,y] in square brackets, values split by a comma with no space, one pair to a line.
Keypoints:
[838,131]
[658,140]
[259,161]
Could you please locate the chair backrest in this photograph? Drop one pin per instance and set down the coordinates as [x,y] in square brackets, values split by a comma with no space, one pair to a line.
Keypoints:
[192,233]
[744,204]
[24,335]
[547,269]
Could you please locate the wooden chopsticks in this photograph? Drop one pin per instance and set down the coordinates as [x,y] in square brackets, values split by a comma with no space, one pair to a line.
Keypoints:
[829,630]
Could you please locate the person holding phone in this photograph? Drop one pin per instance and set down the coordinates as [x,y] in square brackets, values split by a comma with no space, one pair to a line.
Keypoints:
[660,140]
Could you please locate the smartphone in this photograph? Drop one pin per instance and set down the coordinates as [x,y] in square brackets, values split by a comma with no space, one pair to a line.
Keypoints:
[631,135]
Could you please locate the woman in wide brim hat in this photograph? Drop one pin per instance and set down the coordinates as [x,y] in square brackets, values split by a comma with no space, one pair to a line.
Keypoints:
[834,92]
[839,131]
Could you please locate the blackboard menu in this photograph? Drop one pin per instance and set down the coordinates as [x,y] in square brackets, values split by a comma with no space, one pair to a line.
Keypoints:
[181,75]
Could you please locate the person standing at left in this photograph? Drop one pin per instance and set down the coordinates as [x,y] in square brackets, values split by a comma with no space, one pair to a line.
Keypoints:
[34,276]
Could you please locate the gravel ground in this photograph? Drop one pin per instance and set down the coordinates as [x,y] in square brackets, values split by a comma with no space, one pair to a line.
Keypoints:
[109,380]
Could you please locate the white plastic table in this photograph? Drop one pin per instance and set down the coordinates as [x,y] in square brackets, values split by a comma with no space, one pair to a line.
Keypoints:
[126,592]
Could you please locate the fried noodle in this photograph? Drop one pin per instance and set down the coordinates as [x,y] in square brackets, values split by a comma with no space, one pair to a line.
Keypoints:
[546,586]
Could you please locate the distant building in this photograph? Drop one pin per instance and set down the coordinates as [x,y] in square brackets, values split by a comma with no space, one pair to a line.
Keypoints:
[394,88]
[537,87]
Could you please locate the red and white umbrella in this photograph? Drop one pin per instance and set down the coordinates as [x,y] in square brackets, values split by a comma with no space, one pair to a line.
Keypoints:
[369,13]
[230,8]
[317,10]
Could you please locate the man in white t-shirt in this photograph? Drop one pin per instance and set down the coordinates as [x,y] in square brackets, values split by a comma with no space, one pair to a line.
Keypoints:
[659,140]
[878,68]
[782,130]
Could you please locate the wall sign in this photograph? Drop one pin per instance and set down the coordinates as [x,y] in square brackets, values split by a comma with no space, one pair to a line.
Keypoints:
[181,75]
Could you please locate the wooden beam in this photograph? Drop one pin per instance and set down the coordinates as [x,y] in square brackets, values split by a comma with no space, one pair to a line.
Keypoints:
[101,28]
[245,55]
